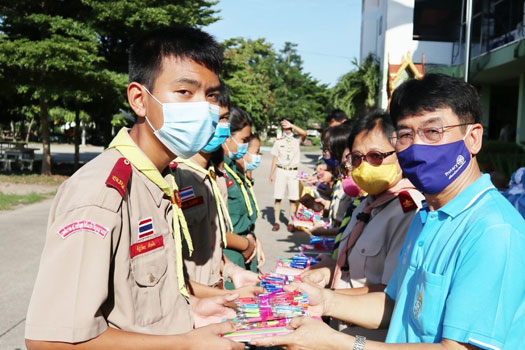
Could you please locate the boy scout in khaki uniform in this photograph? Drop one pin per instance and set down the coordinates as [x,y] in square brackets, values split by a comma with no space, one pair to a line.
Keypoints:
[286,153]
[111,270]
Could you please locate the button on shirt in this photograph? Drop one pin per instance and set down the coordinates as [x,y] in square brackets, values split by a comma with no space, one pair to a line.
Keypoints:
[460,274]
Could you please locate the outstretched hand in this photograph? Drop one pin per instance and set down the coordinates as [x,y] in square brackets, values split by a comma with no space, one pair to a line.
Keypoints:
[201,338]
[212,310]
[308,334]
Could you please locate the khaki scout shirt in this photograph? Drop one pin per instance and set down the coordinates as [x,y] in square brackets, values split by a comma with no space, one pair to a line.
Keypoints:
[287,151]
[95,271]
[200,211]
[374,256]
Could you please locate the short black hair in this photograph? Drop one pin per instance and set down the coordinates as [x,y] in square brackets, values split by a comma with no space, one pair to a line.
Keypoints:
[147,54]
[239,119]
[224,95]
[337,115]
[338,140]
[436,91]
[368,122]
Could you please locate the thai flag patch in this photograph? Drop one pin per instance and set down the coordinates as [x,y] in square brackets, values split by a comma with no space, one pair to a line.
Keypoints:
[146,228]
[186,193]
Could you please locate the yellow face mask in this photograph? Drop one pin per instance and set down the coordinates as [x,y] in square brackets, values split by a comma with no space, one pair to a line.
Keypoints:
[374,179]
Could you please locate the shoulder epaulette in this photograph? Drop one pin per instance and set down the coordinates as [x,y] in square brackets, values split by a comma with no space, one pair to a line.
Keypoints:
[119,176]
[407,203]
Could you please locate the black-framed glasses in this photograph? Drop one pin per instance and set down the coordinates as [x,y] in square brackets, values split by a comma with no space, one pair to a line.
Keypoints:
[374,158]
[430,135]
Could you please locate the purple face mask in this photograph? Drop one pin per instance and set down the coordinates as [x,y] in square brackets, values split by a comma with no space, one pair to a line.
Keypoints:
[431,168]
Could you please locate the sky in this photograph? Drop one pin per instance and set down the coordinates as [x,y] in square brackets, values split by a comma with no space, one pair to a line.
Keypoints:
[327,31]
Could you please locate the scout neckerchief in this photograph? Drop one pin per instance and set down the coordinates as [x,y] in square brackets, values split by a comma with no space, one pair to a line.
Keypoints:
[241,185]
[125,145]
[342,259]
[219,201]
[248,183]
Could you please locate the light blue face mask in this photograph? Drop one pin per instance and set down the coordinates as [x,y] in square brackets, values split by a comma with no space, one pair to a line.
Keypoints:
[256,160]
[221,135]
[242,148]
[187,127]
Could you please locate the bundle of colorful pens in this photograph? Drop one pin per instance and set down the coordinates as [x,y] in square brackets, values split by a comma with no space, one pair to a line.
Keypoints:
[305,217]
[267,314]
[274,282]
[322,243]
[295,265]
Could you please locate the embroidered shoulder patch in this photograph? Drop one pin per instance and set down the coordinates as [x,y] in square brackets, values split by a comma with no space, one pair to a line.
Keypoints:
[146,246]
[407,203]
[229,182]
[82,225]
[119,176]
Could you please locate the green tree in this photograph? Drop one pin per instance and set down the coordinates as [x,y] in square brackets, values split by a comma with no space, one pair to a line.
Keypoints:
[356,91]
[247,68]
[45,51]
[298,97]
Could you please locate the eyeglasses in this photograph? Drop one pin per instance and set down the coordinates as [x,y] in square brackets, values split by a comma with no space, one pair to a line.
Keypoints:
[374,158]
[431,134]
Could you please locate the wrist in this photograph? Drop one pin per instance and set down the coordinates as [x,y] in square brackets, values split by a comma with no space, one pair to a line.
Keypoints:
[328,305]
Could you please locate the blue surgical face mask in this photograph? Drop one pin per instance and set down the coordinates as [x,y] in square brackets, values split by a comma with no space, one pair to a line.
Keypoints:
[256,160]
[187,127]
[221,135]
[289,136]
[242,148]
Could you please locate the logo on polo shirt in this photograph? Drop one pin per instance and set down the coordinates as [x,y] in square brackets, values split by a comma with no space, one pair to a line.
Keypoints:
[418,305]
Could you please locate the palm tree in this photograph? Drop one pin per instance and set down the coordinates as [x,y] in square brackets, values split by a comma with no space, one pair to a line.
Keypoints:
[356,91]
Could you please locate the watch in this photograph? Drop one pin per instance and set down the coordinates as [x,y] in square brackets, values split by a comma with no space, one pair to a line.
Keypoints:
[359,343]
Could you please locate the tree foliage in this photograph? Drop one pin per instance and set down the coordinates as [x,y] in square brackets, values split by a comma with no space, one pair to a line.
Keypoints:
[72,55]
[271,86]
[356,91]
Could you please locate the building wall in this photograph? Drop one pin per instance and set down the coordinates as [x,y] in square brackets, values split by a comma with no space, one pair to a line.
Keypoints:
[387,32]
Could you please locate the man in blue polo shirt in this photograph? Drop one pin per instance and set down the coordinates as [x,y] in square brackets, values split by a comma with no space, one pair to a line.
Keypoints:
[460,277]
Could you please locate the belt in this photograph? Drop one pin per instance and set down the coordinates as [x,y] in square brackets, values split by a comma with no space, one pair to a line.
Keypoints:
[285,168]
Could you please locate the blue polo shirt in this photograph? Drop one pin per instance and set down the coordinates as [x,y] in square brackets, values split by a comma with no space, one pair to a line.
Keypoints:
[461,272]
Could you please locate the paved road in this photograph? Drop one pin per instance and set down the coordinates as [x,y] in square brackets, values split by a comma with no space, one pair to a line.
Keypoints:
[22,234]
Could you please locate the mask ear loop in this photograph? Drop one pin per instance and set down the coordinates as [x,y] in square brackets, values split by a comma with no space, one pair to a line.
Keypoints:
[147,120]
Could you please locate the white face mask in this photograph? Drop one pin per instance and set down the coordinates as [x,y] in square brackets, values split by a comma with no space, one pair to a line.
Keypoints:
[187,127]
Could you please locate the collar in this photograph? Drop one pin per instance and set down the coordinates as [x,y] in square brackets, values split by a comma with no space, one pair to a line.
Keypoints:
[200,174]
[155,182]
[468,197]
[230,162]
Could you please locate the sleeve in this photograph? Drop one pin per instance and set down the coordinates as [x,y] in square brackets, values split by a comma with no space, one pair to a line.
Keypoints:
[73,278]
[487,287]
[396,240]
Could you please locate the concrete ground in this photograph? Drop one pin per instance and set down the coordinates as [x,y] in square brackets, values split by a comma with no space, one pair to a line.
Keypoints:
[23,231]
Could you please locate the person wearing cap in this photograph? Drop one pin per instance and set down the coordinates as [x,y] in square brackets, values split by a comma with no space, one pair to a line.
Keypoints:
[111,273]
[286,153]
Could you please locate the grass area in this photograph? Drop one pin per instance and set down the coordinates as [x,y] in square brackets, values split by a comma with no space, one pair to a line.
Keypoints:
[9,201]
[34,179]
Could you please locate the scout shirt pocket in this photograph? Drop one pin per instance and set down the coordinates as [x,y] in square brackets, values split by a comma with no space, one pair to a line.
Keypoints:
[149,264]
[427,305]
[368,264]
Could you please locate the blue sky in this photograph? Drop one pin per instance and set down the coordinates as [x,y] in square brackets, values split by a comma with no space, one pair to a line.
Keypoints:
[327,31]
